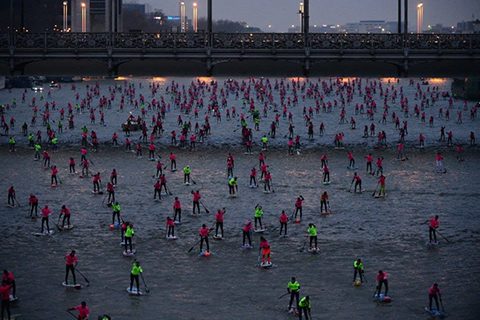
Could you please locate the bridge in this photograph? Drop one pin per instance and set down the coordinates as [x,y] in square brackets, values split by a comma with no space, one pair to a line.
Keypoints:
[17,50]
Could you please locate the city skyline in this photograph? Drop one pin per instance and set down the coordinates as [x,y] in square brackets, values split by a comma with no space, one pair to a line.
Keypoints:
[282,14]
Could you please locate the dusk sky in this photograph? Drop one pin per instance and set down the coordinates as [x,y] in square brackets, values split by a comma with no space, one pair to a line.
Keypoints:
[282,13]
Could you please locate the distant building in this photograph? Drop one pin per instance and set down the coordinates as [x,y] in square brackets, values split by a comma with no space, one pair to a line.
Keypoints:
[100,15]
[468,26]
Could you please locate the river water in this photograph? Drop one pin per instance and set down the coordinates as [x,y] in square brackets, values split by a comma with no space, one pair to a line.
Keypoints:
[388,234]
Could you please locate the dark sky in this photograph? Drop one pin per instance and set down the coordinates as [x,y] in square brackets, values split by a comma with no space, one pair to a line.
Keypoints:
[282,13]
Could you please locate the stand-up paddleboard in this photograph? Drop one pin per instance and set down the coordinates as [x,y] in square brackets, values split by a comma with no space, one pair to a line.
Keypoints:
[13,299]
[151,159]
[122,244]
[351,168]
[187,183]
[381,196]
[173,170]
[205,253]
[259,230]
[177,222]
[246,247]
[357,283]
[129,253]
[68,285]
[232,195]
[266,265]
[219,237]
[382,298]
[67,227]
[253,186]
[45,233]
[325,213]
[134,292]
[114,226]
[435,312]
[171,237]
[327,182]
[266,191]
[339,148]
[313,250]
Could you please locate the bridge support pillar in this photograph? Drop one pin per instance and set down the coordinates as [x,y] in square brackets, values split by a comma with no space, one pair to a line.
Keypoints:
[209,66]
[306,68]
[112,68]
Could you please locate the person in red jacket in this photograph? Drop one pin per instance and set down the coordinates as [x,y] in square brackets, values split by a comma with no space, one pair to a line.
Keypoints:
[45,213]
[11,196]
[173,162]
[5,293]
[196,201]
[382,280]
[219,222]
[33,202]
[369,159]
[163,183]
[177,210]
[83,311]
[253,178]
[111,193]
[358,183]
[159,167]
[433,225]
[156,190]
[96,182]
[113,177]
[9,278]
[283,223]
[53,179]
[170,228]
[71,261]
[247,229]
[151,151]
[71,165]
[204,231]
[434,294]
[298,208]
[66,215]
[324,202]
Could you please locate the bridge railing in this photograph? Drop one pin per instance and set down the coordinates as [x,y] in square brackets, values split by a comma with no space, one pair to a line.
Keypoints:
[240,41]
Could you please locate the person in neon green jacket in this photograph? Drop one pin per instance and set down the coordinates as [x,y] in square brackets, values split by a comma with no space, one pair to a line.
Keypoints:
[134,275]
[129,233]
[304,307]
[258,216]
[186,174]
[312,232]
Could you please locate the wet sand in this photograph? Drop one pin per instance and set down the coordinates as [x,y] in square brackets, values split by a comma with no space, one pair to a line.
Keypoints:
[386,233]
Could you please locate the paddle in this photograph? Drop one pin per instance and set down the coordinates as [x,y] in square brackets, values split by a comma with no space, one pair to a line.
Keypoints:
[193,181]
[206,209]
[196,243]
[144,283]
[58,227]
[375,191]
[304,244]
[83,276]
[441,235]
[70,313]
[350,189]
[283,295]
[168,190]
[441,304]
[17,202]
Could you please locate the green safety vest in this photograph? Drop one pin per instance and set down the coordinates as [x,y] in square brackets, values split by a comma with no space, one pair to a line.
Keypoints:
[129,232]
[358,266]
[116,208]
[11,141]
[30,137]
[258,213]
[187,170]
[304,303]
[136,270]
[312,231]
[264,139]
[294,286]
[232,182]
[54,140]
[38,147]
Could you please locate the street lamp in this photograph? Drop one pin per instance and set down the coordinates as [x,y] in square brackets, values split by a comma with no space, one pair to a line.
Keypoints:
[65,13]
[301,12]
[419,17]
[84,17]
[195,17]
[182,17]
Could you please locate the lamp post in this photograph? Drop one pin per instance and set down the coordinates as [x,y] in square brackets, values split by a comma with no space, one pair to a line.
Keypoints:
[182,17]
[65,14]
[195,17]
[84,17]
[405,19]
[300,12]
[419,17]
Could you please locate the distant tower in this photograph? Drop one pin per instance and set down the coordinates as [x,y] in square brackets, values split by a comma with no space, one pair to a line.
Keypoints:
[301,11]
[420,18]
[183,18]
[195,17]
[113,15]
